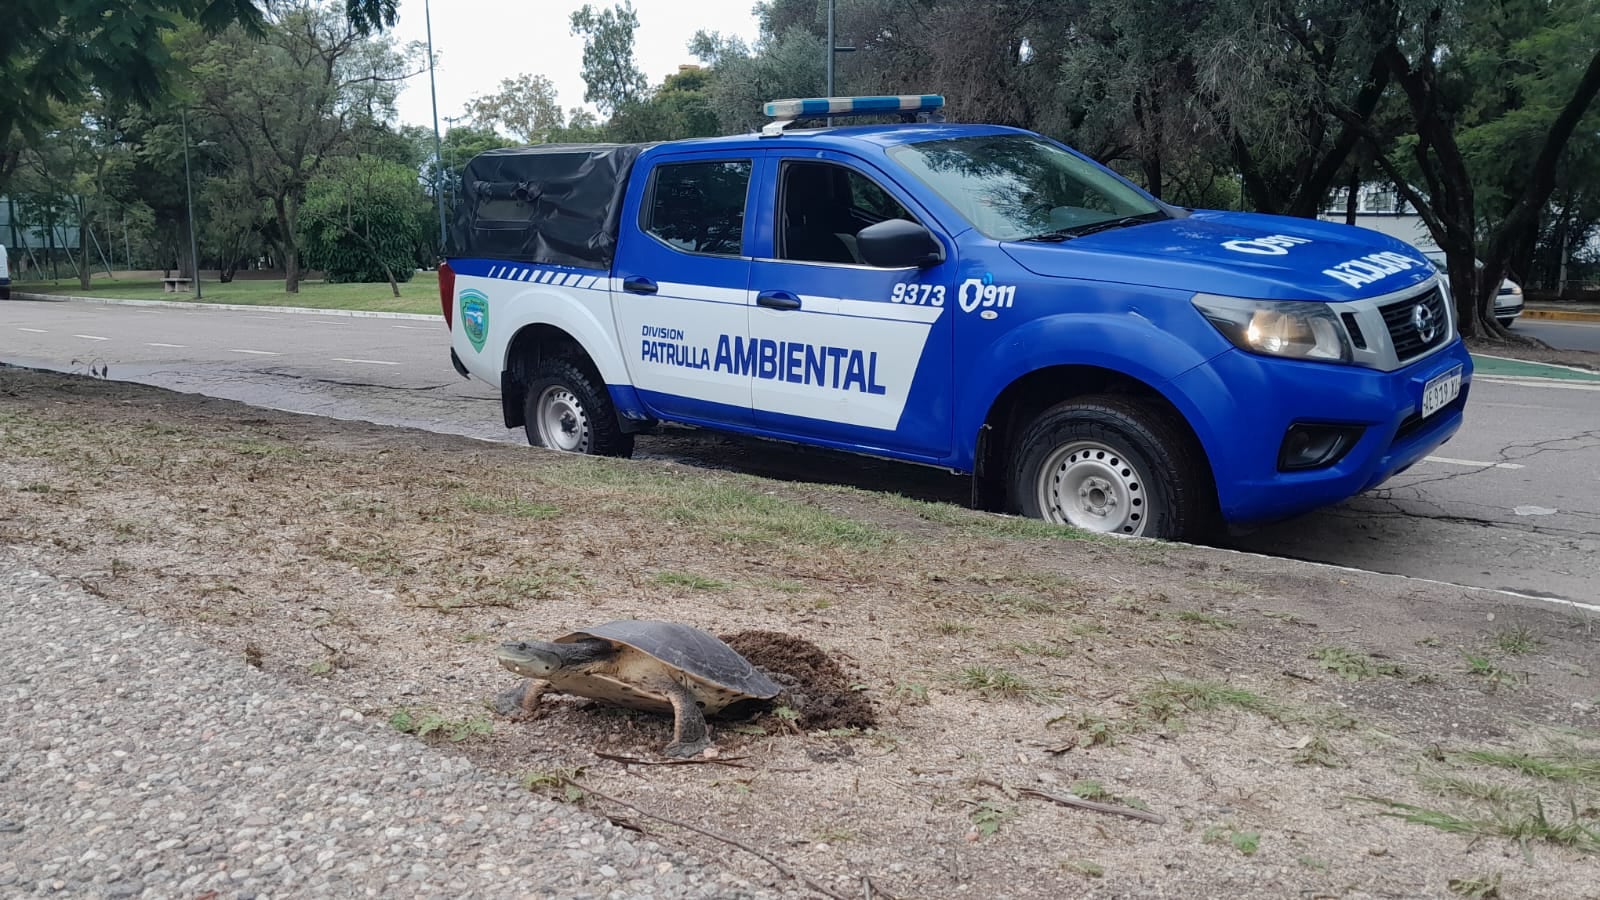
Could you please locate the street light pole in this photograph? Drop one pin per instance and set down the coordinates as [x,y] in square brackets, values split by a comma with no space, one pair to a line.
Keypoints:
[188,187]
[438,154]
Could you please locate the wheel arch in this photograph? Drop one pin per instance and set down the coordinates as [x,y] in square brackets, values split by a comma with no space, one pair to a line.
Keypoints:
[1029,395]
[531,345]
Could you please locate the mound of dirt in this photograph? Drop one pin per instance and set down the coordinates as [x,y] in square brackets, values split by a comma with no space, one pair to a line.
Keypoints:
[814,685]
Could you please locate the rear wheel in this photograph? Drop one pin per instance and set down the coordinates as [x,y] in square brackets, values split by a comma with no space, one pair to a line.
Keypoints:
[568,410]
[1109,464]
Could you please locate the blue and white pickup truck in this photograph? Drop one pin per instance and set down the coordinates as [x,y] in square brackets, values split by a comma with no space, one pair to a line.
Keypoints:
[973,297]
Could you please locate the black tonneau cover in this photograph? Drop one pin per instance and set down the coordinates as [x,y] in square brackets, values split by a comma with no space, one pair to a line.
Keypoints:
[558,204]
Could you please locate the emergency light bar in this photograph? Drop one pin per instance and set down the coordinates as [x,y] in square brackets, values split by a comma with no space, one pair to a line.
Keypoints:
[785,112]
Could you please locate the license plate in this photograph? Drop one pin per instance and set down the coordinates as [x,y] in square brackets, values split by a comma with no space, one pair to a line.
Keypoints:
[1440,390]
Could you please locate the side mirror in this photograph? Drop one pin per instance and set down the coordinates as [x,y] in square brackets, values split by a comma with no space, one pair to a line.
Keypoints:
[899,244]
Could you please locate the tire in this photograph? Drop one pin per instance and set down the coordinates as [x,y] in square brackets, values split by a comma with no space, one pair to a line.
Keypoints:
[1508,322]
[567,410]
[1109,464]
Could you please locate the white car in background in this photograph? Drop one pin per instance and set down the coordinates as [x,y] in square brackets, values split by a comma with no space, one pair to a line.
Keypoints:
[5,275]
[1507,303]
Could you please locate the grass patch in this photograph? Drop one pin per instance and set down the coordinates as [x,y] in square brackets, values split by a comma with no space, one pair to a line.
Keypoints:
[426,723]
[1522,826]
[1246,842]
[952,629]
[419,295]
[982,524]
[688,580]
[1473,789]
[1318,751]
[1166,701]
[1483,667]
[508,506]
[989,816]
[1090,789]
[1194,617]
[1085,867]
[1478,887]
[1561,767]
[1517,640]
[995,683]
[1027,604]
[1353,665]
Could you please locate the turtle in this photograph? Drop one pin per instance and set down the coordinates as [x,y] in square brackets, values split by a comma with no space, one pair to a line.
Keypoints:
[641,664]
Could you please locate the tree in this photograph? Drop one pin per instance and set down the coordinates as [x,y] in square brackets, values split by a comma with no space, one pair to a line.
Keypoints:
[1430,60]
[360,221]
[286,104]
[56,51]
[611,77]
[525,107]
[680,108]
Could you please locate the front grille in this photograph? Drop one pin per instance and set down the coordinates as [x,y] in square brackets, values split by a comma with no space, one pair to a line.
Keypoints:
[1401,319]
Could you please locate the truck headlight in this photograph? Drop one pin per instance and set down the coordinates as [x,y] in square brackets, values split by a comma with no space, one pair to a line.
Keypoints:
[1296,329]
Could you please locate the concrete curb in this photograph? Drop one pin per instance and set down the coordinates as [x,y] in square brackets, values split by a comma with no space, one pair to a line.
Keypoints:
[1561,315]
[235,307]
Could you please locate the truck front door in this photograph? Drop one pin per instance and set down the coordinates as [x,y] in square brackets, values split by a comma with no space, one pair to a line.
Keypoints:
[846,353]
[680,287]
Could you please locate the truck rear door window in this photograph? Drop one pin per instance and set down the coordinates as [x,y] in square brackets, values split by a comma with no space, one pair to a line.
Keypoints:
[698,207]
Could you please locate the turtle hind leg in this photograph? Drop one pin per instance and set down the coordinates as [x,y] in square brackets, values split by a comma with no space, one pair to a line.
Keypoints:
[522,701]
[689,732]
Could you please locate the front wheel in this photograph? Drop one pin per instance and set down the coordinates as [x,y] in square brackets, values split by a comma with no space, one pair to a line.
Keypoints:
[1109,464]
[567,410]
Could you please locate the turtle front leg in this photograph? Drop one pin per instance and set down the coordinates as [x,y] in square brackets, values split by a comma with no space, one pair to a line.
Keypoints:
[522,701]
[689,736]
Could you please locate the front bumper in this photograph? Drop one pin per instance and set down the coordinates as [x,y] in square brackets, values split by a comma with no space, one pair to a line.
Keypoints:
[1244,403]
[1508,307]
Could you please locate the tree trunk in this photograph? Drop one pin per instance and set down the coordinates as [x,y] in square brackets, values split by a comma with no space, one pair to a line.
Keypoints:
[1541,181]
[288,212]
[85,272]
[1352,200]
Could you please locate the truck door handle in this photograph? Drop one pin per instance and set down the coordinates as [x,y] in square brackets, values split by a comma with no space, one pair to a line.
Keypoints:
[777,300]
[639,284]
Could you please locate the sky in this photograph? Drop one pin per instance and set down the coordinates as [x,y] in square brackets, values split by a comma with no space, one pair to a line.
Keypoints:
[479,42]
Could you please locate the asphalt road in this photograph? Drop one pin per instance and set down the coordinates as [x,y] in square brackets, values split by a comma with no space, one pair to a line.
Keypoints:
[1512,502]
[1561,335]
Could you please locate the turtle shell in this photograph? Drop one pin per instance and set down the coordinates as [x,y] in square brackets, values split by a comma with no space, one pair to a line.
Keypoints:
[686,650]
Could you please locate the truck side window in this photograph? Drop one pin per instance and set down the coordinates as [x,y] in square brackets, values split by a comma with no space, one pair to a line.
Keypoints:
[823,206]
[699,207]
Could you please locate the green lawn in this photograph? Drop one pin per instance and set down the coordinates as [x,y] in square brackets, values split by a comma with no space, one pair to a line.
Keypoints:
[419,295]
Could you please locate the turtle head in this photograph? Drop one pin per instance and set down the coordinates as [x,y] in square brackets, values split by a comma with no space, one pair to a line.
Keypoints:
[533,659]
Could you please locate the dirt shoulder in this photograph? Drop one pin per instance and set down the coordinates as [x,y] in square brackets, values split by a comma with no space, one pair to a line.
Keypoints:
[1296,730]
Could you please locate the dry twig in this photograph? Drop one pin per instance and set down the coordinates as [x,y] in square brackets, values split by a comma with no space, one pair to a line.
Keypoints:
[693,761]
[1080,803]
[797,876]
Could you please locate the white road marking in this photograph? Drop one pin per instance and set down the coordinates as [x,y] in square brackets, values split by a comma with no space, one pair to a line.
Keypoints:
[91,337]
[253,352]
[1473,463]
[407,327]
[33,330]
[1540,382]
[370,362]
[158,344]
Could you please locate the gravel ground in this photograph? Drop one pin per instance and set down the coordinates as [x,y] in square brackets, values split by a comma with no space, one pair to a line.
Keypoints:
[143,763]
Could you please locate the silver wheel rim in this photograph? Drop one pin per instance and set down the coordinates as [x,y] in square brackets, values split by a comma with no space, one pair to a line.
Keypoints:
[563,424]
[1088,485]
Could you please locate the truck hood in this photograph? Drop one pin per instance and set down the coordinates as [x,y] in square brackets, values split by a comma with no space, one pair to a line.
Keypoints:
[1236,255]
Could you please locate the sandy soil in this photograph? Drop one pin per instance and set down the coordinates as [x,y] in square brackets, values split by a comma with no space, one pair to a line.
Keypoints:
[1268,714]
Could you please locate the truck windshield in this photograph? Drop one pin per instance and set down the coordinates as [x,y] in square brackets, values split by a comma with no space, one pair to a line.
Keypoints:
[1014,187]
